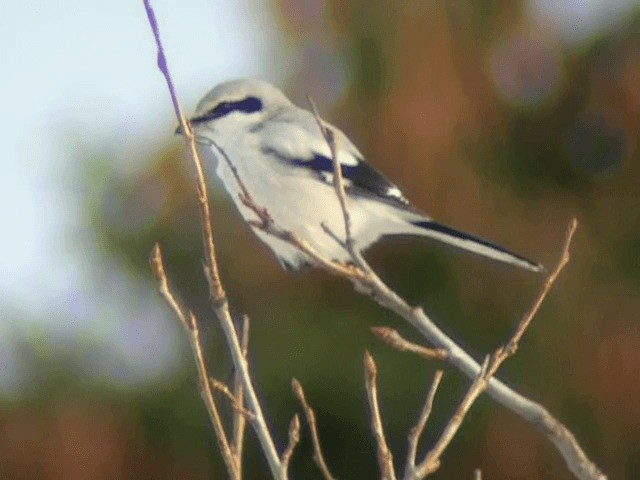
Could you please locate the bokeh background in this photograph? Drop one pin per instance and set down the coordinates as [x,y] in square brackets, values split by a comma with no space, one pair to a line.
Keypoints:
[501,117]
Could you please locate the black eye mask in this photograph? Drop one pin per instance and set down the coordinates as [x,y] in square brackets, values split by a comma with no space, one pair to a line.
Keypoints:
[246,105]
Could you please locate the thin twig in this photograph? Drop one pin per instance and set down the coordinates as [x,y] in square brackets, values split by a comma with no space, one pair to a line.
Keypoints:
[512,345]
[294,438]
[394,339]
[221,308]
[318,457]
[338,184]
[416,432]
[157,265]
[216,290]
[491,365]
[431,461]
[239,420]
[190,325]
[235,404]
[385,457]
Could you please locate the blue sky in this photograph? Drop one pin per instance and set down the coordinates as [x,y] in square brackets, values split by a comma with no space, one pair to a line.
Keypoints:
[90,69]
[79,78]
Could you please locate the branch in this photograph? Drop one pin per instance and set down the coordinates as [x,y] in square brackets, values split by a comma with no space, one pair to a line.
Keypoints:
[315,439]
[575,458]
[338,185]
[217,292]
[490,366]
[239,420]
[385,457]
[512,345]
[216,289]
[294,438]
[235,404]
[394,339]
[431,462]
[367,282]
[190,325]
[416,432]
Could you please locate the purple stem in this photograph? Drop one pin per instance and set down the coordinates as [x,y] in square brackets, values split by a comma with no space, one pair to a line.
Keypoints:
[162,59]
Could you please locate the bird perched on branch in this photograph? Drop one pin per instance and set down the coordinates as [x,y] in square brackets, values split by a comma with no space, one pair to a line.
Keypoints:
[281,156]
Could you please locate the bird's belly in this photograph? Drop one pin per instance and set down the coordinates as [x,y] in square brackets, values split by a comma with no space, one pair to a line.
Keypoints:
[296,203]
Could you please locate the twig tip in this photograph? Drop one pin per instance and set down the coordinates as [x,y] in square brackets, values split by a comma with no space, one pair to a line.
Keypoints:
[369,363]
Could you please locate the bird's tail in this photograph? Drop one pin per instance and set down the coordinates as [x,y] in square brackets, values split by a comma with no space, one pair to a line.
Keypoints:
[474,244]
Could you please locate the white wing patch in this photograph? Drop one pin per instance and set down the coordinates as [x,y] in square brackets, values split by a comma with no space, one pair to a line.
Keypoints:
[396,193]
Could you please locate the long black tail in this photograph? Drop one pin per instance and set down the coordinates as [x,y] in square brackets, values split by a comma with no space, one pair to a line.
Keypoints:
[474,244]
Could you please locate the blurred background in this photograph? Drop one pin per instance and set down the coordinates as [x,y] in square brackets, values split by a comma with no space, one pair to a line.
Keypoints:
[504,118]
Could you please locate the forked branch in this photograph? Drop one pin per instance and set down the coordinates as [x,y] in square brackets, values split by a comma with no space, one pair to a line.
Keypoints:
[190,324]
[318,457]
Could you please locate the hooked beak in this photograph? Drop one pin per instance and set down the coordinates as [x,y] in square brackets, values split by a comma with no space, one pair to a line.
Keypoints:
[191,122]
[198,138]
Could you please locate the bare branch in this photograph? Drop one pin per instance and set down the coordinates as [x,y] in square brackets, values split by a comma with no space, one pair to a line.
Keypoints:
[239,420]
[157,265]
[216,290]
[385,457]
[576,459]
[512,345]
[315,439]
[416,432]
[338,184]
[393,338]
[235,404]
[431,461]
[491,365]
[294,438]
[190,324]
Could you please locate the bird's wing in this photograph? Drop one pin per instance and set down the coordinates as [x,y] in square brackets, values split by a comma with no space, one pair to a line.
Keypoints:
[298,142]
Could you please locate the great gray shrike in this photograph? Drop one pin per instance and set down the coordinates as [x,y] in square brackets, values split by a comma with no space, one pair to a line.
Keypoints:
[284,161]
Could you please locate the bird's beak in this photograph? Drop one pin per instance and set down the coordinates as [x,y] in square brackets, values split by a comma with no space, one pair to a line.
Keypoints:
[198,138]
[191,122]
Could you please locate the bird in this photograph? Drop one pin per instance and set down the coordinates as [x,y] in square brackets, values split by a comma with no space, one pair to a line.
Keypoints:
[249,128]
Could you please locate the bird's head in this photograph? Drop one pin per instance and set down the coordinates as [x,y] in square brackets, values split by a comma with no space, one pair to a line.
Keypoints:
[235,106]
